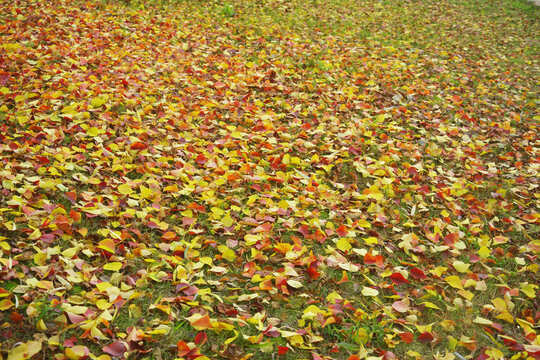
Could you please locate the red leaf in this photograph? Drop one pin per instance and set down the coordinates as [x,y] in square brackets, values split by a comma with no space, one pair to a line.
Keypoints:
[426,337]
[43,160]
[451,238]
[398,279]
[342,230]
[374,260]
[282,350]
[417,274]
[319,236]
[304,230]
[313,273]
[201,338]
[406,337]
[201,159]
[183,348]
[138,146]
[70,342]
[15,317]
[116,349]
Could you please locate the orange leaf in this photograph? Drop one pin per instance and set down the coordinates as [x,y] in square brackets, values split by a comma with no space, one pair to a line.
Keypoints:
[200,322]
[138,146]
[107,245]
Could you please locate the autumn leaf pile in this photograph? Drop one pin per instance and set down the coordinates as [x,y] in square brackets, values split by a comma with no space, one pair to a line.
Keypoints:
[269,180]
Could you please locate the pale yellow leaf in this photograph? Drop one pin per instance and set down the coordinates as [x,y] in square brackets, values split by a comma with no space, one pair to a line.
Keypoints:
[367,291]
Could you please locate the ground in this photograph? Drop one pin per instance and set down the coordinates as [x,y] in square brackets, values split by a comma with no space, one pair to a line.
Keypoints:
[269,179]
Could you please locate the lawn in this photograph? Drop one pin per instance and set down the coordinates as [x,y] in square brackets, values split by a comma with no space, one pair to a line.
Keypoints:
[269,179]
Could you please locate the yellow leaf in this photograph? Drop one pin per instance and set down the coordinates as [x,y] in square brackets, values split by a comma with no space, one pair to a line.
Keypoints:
[70,110]
[22,119]
[466,294]
[361,336]
[343,244]
[24,351]
[102,286]
[231,339]
[103,304]
[6,304]
[125,189]
[371,240]
[97,102]
[227,221]
[145,192]
[219,326]
[494,353]
[430,305]
[207,260]
[433,149]
[217,212]
[333,296]
[296,340]
[311,312]
[54,340]
[112,266]
[484,252]
[283,205]
[227,253]
[76,352]
[237,135]
[525,325]
[529,290]
[438,271]
[500,304]
[70,252]
[506,316]
[286,159]
[252,239]
[36,234]
[454,281]
[461,266]
[363,223]
[93,131]
[40,259]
